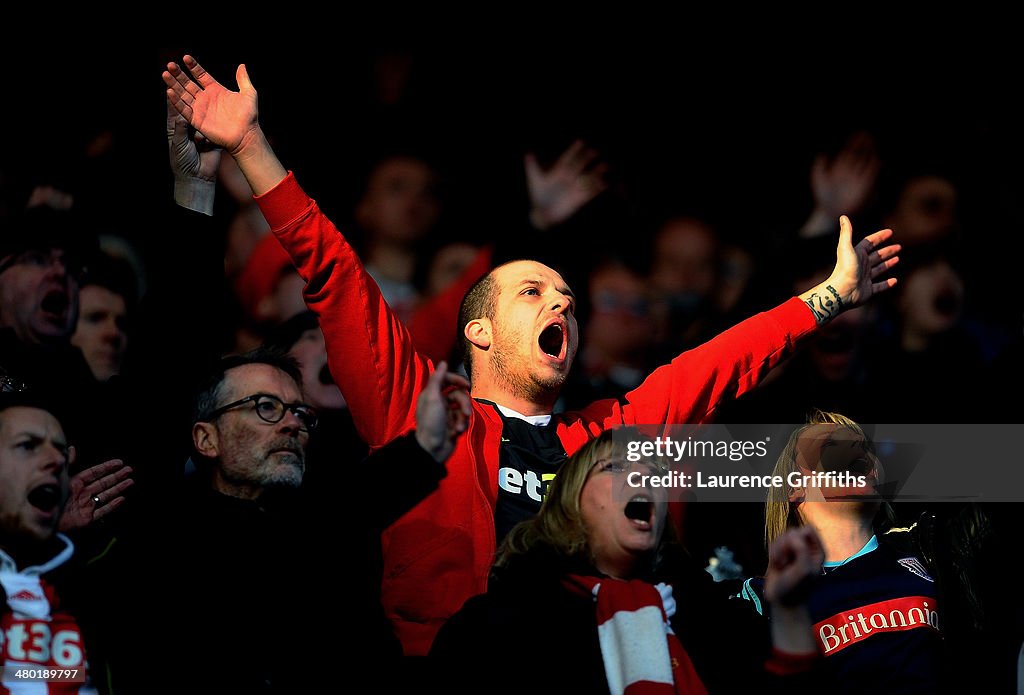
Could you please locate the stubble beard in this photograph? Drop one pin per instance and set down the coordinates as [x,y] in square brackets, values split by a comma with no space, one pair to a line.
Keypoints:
[529,385]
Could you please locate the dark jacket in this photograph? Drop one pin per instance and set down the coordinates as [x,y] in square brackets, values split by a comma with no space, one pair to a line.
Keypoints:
[966,548]
[287,591]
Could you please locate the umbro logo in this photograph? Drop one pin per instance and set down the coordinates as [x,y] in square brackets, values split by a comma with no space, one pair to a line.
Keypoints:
[25,595]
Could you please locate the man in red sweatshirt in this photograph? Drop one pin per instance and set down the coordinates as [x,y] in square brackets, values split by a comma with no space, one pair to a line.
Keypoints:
[520,338]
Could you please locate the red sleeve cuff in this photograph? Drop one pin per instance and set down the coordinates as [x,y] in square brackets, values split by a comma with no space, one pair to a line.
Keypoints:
[782,663]
[284,203]
[796,317]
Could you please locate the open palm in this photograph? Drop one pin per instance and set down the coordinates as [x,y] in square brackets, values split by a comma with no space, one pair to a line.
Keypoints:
[227,119]
[858,267]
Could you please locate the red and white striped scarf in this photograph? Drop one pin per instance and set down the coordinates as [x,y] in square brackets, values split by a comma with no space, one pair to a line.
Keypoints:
[41,650]
[642,656]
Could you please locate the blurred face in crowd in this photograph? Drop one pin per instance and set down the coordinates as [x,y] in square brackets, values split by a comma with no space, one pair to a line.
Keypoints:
[737,269]
[685,259]
[447,266]
[532,340]
[925,211]
[619,327]
[39,296]
[101,333]
[251,454]
[34,460]
[836,347]
[835,350]
[931,298]
[624,522]
[400,204]
[310,351]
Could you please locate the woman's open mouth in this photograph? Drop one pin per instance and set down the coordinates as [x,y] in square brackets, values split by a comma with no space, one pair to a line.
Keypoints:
[639,510]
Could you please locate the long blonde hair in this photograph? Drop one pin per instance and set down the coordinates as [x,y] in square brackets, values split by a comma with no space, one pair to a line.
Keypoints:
[779,512]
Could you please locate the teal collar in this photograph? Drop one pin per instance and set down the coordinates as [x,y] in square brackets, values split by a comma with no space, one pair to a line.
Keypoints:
[868,547]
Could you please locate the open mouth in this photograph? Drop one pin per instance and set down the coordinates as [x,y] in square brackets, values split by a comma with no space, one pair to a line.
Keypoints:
[45,498]
[55,302]
[861,466]
[552,341]
[639,510]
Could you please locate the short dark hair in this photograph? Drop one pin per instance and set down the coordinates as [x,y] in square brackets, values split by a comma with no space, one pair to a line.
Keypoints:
[209,395]
[480,301]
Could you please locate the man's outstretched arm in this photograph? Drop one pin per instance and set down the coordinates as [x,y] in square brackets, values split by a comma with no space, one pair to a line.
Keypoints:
[692,387]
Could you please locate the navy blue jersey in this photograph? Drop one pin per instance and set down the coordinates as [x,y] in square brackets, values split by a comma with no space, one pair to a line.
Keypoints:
[876,621]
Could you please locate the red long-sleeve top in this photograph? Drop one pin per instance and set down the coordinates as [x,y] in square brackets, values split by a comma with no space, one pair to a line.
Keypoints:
[440,553]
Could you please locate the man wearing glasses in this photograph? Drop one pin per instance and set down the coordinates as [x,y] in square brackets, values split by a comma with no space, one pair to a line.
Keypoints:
[267,614]
[40,267]
[247,536]
[251,424]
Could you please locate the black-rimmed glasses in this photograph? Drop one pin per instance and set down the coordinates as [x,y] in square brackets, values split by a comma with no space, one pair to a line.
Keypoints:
[272,409]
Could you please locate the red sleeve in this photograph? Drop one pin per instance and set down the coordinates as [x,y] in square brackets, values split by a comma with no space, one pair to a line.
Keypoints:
[433,325]
[690,388]
[370,352]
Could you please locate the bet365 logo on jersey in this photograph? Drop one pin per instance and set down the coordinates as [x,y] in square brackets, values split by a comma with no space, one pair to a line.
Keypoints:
[41,642]
[530,484]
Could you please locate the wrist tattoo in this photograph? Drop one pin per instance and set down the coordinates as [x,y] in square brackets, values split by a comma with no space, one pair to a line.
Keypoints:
[822,306]
[835,294]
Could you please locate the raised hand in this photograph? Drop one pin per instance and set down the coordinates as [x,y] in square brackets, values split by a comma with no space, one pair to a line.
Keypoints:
[95,492]
[854,279]
[194,162]
[795,559]
[228,119]
[442,412]
[843,184]
[190,157]
[557,193]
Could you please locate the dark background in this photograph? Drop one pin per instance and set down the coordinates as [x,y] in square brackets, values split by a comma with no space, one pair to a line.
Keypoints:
[725,126]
